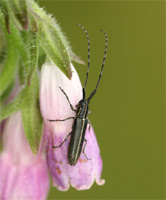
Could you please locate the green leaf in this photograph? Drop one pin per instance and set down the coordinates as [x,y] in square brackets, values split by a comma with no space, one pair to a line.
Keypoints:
[31,115]
[13,106]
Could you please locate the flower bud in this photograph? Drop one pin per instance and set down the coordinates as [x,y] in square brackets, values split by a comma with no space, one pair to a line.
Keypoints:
[23,175]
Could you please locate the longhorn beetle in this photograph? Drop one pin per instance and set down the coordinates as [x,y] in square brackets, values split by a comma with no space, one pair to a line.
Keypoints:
[80,120]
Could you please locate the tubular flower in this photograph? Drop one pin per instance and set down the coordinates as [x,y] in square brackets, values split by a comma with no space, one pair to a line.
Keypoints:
[54,105]
[23,175]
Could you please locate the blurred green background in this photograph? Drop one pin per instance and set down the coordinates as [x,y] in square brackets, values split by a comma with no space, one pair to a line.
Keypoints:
[128,109]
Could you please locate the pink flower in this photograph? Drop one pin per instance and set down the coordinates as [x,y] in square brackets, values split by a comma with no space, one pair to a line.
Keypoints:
[23,175]
[54,105]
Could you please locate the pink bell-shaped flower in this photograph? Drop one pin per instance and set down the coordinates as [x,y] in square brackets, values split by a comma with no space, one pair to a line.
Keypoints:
[22,174]
[54,105]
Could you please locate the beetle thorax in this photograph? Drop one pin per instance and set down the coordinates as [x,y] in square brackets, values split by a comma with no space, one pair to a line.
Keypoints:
[82,109]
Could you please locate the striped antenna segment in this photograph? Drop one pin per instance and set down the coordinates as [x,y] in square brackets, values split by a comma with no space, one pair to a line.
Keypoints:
[88,55]
[105,53]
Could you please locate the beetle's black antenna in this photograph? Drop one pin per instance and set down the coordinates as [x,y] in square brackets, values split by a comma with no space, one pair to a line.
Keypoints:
[83,89]
[105,53]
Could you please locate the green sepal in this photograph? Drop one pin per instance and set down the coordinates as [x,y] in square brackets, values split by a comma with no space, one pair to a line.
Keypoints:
[33,56]
[21,73]
[42,58]
[13,106]
[76,59]
[32,119]
[10,71]
[6,92]
[52,40]
[11,62]
[3,8]
[24,50]
[2,58]
[19,13]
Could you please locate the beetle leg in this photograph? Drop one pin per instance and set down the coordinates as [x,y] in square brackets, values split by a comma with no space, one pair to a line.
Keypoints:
[63,141]
[60,120]
[71,106]
[84,150]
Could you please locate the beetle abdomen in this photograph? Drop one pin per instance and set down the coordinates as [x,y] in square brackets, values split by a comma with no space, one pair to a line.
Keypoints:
[76,140]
